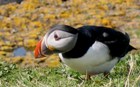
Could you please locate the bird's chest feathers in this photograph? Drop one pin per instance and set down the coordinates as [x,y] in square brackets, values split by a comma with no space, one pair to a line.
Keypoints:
[96,55]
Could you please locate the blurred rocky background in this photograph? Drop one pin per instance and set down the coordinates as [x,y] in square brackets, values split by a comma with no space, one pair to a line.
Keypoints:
[2,2]
[24,22]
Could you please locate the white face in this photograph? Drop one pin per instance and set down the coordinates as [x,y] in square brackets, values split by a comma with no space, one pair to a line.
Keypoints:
[61,40]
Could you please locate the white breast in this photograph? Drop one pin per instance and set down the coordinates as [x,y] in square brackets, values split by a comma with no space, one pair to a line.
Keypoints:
[96,60]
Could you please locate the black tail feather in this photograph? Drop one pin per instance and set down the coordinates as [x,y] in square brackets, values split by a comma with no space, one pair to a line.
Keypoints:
[131,48]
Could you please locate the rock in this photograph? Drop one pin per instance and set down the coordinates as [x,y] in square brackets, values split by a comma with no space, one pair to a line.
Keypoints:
[21,51]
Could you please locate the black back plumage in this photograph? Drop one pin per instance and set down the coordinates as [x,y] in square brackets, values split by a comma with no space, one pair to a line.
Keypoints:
[117,42]
[84,41]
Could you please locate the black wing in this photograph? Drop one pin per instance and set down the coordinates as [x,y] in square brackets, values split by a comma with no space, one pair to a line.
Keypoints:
[117,42]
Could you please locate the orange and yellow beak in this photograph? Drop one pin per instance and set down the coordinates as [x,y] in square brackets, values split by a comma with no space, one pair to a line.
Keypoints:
[37,51]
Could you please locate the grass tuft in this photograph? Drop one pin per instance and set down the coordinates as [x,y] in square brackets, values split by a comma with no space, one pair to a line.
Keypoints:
[125,74]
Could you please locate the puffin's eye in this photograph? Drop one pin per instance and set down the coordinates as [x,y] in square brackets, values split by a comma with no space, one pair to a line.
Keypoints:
[56,37]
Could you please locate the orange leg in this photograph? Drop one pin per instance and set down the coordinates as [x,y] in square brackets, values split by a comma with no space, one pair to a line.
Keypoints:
[106,74]
[87,77]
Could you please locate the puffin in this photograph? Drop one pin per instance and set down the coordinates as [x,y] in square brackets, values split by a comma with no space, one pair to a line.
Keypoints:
[88,49]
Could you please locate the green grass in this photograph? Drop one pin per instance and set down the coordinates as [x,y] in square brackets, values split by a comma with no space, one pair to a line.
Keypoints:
[125,74]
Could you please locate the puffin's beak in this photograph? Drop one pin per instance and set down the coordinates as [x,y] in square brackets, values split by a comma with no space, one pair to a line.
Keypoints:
[41,50]
[37,51]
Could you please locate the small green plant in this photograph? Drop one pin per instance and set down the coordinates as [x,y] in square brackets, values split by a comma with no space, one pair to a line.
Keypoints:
[6,68]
